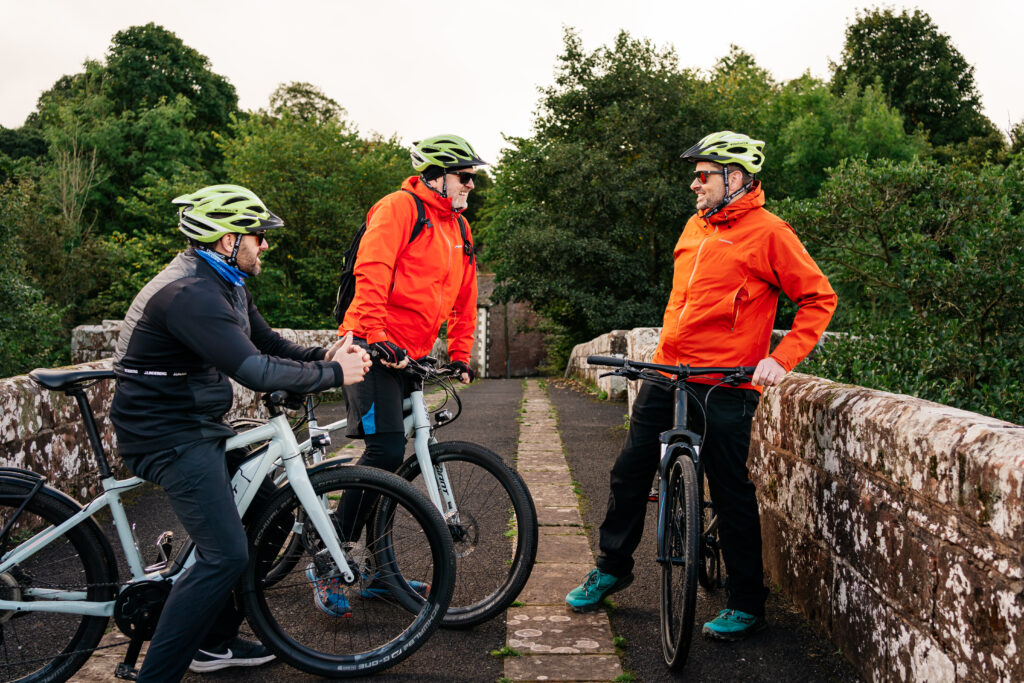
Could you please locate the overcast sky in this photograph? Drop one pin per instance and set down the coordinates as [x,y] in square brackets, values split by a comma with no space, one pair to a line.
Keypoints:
[417,68]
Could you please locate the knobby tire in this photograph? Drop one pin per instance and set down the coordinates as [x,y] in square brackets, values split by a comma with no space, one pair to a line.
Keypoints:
[681,536]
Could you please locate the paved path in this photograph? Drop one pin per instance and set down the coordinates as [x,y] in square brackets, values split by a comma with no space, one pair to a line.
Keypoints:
[563,442]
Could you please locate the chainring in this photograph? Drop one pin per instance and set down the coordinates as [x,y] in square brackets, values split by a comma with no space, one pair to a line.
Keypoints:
[138,607]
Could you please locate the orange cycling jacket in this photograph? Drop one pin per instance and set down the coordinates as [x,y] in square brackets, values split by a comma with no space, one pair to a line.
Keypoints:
[404,292]
[729,270]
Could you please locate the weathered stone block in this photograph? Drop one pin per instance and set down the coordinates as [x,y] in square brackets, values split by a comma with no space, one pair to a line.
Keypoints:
[800,566]
[880,538]
[979,615]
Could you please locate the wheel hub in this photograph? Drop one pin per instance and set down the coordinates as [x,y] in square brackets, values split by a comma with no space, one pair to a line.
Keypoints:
[10,590]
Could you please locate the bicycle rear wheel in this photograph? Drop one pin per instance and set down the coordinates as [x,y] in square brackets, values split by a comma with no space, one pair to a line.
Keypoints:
[495,534]
[415,552]
[49,646]
[679,560]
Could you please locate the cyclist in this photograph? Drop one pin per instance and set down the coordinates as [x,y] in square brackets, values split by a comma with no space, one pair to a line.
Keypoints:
[404,292]
[188,330]
[732,260]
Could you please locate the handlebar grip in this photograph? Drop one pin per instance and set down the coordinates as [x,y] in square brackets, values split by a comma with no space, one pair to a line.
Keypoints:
[606,360]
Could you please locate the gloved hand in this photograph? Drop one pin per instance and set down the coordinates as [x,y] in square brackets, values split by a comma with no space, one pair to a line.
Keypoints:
[387,352]
[461,368]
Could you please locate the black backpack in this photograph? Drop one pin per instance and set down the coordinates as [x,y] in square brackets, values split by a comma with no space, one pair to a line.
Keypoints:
[347,281]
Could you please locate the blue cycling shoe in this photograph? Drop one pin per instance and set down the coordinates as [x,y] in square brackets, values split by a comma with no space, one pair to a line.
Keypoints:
[328,595]
[379,589]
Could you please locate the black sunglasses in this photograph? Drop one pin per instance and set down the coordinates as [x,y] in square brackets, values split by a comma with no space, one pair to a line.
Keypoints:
[464,176]
[261,237]
[703,176]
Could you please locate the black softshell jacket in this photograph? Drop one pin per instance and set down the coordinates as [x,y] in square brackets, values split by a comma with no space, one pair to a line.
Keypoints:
[185,334]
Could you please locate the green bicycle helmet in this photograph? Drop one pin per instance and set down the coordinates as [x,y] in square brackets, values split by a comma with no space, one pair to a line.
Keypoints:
[446,151]
[726,147]
[208,214]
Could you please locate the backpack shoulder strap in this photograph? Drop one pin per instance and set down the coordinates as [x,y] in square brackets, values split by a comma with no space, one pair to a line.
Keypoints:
[421,216]
[467,246]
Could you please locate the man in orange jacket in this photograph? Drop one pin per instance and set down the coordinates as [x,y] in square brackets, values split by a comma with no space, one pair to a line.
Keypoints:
[731,262]
[405,290]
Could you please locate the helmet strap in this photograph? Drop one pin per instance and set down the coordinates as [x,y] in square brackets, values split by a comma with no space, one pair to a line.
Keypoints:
[444,185]
[232,260]
[728,198]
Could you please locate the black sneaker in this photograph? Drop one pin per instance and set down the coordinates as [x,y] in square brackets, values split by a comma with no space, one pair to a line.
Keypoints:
[235,652]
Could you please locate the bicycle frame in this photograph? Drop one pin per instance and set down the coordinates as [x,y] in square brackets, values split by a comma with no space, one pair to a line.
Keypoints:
[282,447]
[417,425]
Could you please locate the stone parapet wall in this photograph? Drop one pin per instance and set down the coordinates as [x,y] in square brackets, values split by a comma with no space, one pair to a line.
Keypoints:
[895,524]
[43,431]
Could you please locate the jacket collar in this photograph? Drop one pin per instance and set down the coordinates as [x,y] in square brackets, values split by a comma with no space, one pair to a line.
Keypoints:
[443,205]
[754,199]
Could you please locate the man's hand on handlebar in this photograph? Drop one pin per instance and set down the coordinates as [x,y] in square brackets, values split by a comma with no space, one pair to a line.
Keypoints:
[391,355]
[461,370]
[768,373]
[354,361]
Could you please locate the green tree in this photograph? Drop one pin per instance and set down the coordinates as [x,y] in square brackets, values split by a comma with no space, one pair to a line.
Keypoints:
[149,64]
[31,329]
[811,130]
[584,214]
[321,178]
[926,260]
[918,68]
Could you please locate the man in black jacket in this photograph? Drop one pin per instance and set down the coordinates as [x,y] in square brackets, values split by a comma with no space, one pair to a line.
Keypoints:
[188,330]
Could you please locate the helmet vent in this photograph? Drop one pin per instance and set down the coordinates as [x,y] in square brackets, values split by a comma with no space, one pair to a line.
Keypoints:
[244,222]
[233,200]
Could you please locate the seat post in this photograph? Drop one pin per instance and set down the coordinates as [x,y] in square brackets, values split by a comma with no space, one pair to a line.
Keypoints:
[90,429]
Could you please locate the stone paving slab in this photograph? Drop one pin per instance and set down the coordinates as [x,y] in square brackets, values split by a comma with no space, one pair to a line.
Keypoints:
[534,463]
[563,668]
[581,645]
[573,549]
[553,496]
[559,517]
[549,583]
[539,477]
[558,630]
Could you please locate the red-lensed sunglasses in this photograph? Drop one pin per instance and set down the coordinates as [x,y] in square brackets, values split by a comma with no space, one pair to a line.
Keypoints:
[703,176]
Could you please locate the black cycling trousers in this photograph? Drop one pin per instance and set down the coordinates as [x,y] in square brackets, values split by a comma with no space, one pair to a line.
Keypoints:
[195,477]
[724,455]
[383,451]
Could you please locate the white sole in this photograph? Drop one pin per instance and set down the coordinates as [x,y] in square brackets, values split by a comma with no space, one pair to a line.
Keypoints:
[218,664]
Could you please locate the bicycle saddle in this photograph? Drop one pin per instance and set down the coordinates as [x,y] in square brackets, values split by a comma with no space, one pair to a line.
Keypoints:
[64,380]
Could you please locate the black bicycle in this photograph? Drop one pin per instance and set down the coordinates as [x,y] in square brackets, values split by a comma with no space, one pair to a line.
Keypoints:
[687,545]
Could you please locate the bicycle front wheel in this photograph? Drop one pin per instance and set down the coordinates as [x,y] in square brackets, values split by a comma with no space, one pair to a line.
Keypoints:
[314,622]
[49,646]
[679,560]
[495,531]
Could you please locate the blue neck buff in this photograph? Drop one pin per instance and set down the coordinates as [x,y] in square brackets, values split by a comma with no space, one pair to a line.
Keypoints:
[229,273]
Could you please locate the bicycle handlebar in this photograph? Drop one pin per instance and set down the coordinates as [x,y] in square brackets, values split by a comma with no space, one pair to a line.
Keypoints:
[682,371]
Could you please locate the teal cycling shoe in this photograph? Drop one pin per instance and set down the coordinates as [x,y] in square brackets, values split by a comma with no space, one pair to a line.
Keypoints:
[732,625]
[587,596]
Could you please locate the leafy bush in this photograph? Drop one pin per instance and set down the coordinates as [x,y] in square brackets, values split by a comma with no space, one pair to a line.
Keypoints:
[927,261]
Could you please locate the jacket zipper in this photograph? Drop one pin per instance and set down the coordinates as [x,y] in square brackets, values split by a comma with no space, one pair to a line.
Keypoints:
[693,273]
